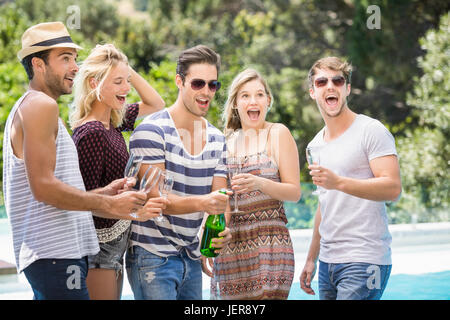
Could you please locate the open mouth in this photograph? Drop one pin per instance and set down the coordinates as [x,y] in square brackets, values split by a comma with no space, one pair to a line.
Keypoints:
[253,114]
[70,80]
[202,102]
[331,100]
[121,98]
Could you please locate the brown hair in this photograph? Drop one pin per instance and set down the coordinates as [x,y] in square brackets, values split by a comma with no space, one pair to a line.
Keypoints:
[332,63]
[197,54]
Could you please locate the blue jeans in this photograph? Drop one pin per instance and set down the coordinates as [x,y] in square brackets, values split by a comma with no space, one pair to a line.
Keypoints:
[58,279]
[153,277]
[352,281]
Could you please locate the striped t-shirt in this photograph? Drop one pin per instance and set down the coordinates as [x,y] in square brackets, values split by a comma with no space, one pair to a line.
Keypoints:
[158,140]
[39,230]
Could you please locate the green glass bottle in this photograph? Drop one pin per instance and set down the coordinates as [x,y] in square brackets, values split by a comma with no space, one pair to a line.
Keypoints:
[215,224]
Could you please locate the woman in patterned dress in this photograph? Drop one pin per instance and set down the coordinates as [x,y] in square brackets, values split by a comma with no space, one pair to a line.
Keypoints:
[100,115]
[258,263]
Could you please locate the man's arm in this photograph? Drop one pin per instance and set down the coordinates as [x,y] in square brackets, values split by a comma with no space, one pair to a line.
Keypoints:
[310,267]
[385,186]
[314,248]
[39,123]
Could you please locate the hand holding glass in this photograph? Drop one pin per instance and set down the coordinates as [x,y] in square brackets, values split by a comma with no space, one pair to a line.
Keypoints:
[132,167]
[165,187]
[148,181]
[313,157]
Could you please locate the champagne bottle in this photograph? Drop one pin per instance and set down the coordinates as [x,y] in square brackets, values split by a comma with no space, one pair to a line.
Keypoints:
[215,224]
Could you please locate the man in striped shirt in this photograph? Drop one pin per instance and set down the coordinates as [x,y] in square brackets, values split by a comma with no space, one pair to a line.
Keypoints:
[163,262]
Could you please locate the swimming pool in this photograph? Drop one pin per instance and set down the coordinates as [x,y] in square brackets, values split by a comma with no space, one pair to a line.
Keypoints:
[428,286]
[420,270]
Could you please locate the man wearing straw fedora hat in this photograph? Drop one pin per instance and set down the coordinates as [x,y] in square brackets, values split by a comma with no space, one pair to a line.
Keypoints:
[45,198]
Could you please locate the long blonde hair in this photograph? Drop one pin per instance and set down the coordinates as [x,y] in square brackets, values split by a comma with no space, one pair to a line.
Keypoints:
[97,66]
[230,114]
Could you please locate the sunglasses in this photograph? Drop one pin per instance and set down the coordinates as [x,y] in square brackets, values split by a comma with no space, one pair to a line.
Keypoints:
[338,81]
[198,84]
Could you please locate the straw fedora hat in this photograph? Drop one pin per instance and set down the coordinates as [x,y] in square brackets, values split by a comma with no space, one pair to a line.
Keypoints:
[44,36]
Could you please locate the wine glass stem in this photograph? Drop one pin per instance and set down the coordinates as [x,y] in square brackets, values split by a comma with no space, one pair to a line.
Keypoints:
[160,217]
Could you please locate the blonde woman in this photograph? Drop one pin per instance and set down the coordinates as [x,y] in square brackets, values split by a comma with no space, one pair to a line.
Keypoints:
[100,115]
[258,263]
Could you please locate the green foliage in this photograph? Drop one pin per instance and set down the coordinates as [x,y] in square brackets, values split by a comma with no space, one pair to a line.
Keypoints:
[385,56]
[13,80]
[424,158]
[98,19]
[281,39]
[12,25]
[424,151]
[431,95]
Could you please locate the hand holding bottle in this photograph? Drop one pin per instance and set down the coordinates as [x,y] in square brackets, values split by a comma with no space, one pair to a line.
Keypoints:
[215,234]
[215,202]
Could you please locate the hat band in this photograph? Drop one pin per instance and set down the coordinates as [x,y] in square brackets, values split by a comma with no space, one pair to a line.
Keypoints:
[54,41]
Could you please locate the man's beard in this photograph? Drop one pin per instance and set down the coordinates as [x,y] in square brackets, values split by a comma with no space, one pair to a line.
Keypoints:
[191,111]
[55,84]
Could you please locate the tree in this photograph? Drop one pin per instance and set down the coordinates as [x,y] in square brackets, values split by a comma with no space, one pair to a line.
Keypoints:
[424,151]
[281,39]
[383,57]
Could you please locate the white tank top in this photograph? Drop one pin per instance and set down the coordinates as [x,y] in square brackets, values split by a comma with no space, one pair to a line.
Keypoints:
[41,231]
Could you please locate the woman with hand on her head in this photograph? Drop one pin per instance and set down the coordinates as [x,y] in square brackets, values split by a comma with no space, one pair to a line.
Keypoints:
[100,115]
[258,263]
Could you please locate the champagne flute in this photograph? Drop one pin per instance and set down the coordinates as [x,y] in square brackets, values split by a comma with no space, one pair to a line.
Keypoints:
[132,167]
[166,182]
[313,157]
[148,181]
[234,166]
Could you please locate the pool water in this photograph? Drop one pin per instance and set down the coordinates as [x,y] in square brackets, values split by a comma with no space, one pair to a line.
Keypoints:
[411,278]
[428,286]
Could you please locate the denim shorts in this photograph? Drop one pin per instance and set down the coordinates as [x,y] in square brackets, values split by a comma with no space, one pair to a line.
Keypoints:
[111,254]
[352,281]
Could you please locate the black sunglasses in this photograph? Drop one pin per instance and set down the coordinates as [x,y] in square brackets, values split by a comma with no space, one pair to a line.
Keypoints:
[197,84]
[338,81]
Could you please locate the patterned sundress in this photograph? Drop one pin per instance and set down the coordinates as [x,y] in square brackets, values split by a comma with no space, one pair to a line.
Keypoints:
[258,263]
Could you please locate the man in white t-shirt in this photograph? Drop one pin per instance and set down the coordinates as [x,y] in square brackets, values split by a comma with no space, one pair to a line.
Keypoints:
[358,172]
